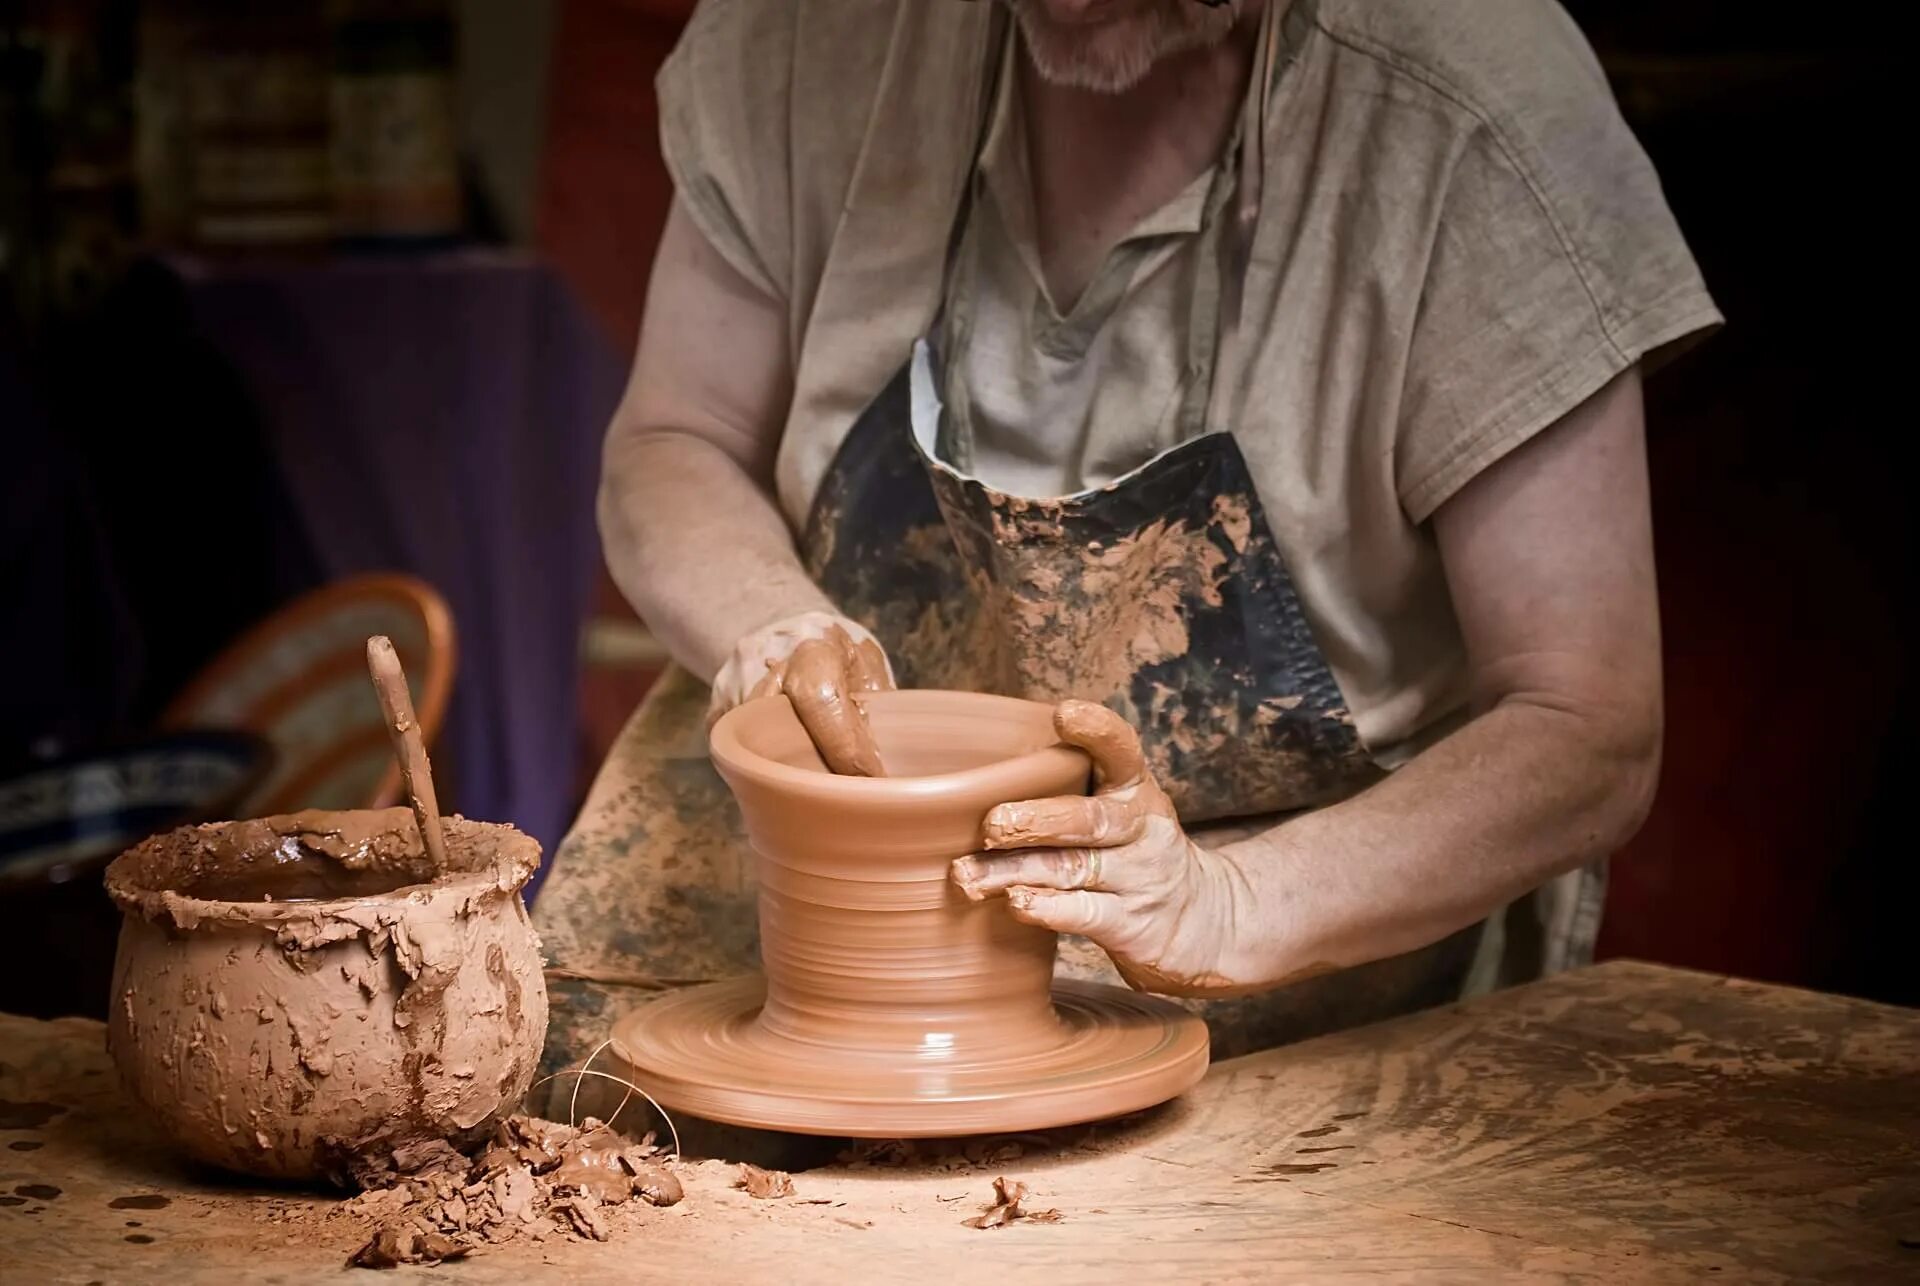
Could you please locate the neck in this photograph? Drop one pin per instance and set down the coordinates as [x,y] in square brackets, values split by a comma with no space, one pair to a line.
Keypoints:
[1102,161]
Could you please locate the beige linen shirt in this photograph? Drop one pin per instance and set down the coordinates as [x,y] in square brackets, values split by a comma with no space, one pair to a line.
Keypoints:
[1458,241]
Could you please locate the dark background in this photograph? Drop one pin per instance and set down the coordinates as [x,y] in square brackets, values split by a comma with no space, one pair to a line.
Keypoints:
[1785,549]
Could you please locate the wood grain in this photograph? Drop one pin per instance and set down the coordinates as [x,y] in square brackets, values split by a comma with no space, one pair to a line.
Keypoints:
[1622,1123]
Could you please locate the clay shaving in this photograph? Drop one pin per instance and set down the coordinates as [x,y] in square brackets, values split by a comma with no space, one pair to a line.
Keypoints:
[534,1179]
[767,1185]
[1007,1196]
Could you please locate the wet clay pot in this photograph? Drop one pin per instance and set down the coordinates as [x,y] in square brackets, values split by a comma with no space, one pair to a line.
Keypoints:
[891,1004]
[866,944]
[301,996]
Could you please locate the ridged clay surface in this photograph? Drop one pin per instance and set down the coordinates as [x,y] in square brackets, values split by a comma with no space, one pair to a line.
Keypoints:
[892,1005]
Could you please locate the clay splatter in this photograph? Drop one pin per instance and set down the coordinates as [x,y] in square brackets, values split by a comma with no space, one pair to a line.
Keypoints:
[1322,1132]
[38,1191]
[27,1116]
[26,1145]
[1300,1167]
[143,1201]
[138,1239]
[1006,1208]
[13,1201]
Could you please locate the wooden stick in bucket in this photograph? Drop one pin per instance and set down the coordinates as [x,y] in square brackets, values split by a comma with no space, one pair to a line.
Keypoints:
[409,748]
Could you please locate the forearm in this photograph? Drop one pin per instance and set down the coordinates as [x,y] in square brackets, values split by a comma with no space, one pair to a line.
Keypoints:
[1529,789]
[1549,560]
[696,545]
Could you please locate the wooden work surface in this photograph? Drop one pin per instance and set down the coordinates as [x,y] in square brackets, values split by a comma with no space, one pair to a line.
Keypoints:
[1623,1123]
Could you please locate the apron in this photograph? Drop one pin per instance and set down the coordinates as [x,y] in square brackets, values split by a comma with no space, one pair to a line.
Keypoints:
[1162,595]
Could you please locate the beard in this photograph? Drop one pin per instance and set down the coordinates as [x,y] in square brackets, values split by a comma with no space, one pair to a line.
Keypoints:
[1114,55]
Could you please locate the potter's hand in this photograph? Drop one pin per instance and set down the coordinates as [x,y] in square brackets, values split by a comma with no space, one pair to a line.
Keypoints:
[819,660]
[1114,866]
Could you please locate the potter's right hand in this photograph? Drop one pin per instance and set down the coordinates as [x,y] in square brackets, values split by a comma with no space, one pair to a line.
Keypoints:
[819,660]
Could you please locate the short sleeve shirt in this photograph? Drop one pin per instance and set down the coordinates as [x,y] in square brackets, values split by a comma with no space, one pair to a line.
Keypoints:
[1458,241]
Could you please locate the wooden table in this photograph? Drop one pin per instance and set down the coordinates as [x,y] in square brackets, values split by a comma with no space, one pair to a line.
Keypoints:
[1622,1123]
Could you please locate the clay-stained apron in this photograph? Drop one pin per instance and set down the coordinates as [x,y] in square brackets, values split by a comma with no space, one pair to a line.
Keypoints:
[1161,595]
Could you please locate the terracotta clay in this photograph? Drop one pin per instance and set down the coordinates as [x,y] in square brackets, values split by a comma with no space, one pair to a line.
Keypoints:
[893,1005]
[303,996]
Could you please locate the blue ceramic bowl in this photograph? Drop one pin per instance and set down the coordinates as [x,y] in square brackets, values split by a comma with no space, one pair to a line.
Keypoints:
[60,822]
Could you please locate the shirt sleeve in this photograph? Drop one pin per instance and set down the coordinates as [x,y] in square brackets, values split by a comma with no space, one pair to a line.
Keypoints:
[725,133]
[1555,262]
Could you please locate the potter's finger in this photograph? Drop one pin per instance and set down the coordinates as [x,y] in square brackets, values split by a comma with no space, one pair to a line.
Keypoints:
[1096,821]
[865,663]
[1091,915]
[981,876]
[867,668]
[1111,740]
[816,682]
[769,683]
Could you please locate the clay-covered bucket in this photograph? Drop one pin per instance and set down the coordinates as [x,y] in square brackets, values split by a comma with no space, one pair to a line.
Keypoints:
[299,996]
[865,942]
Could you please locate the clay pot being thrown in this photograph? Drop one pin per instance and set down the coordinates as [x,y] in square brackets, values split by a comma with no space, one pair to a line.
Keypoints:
[301,996]
[892,1005]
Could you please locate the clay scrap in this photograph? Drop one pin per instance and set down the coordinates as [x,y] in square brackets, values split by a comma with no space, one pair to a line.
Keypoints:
[767,1185]
[1006,1208]
[534,1179]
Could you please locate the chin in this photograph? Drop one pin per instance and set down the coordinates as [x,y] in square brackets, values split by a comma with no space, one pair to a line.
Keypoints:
[1109,46]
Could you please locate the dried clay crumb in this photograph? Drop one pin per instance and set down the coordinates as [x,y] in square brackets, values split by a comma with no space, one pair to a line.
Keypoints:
[533,1178]
[405,1243]
[1007,1196]
[764,1184]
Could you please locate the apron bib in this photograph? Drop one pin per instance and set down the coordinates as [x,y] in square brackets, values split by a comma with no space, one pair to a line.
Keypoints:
[1161,595]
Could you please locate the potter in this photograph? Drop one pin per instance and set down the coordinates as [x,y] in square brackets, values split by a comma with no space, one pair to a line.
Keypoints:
[1255,383]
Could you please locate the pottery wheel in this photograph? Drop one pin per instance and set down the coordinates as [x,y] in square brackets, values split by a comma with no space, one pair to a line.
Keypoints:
[703,1051]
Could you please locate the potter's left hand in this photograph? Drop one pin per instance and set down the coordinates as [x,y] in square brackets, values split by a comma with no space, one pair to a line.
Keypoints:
[1115,866]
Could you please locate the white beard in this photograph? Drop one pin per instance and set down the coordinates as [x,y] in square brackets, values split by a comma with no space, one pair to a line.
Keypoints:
[1113,57]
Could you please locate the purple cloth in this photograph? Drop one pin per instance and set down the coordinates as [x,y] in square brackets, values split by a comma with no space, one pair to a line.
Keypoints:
[442,415]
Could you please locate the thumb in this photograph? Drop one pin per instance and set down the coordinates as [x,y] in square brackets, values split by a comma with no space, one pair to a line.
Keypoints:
[1110,740]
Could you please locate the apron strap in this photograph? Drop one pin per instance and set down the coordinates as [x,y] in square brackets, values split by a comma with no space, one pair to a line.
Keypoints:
[951,325]
[1213,316]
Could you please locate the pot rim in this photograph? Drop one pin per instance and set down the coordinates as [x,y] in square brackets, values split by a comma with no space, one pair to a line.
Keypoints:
[506,874]
[1003,778]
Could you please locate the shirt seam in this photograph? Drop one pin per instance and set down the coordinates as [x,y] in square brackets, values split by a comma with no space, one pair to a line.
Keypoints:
[1472,453]
[721,227]
[1438,84]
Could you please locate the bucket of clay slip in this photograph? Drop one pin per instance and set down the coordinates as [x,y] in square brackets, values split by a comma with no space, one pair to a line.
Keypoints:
[297,997]
[865,942]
